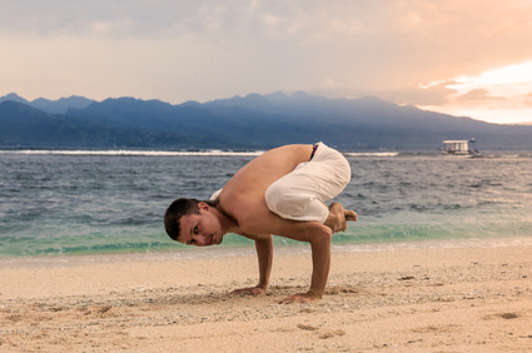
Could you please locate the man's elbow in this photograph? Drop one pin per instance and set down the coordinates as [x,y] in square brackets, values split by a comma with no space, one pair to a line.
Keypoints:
[322,233]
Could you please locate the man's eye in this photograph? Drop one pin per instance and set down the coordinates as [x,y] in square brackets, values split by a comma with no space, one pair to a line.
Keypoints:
[195,230]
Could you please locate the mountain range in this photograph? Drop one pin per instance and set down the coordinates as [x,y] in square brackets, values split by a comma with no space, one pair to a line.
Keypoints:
[59,106]
[249,122]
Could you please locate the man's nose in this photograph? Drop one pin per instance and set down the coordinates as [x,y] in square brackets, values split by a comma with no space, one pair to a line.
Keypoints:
[200,240]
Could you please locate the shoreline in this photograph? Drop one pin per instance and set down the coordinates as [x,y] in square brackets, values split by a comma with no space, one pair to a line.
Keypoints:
[231,251]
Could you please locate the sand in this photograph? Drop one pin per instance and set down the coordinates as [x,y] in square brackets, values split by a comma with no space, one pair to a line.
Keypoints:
[379,299]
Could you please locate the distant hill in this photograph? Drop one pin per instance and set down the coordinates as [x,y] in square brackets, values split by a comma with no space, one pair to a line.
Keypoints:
[253,121]
[62,105]
[13,97]
[22,126]
[59,106]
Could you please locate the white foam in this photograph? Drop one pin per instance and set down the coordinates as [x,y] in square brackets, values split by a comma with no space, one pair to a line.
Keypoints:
[132,153]
[371,154]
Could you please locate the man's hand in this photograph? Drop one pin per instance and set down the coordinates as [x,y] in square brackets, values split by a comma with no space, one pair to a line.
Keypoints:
[254,291]
[264,247]
[310,296]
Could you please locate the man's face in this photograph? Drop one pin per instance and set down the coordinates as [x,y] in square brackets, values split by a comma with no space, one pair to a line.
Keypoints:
[201,229]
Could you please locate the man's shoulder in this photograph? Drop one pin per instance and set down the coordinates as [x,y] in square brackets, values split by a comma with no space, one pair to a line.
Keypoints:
[237,210]
[242,209]
[241,199]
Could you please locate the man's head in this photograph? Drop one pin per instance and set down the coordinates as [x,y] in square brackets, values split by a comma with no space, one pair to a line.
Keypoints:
[194,222]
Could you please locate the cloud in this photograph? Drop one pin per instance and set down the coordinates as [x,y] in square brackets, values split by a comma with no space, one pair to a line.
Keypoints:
[179,50]
[527,101]
[434,95]
[478,95]
[140,18]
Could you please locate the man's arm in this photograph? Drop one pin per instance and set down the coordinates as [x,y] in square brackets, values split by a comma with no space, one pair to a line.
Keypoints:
[321,261]
[315,233]
[264,248]
[319,237]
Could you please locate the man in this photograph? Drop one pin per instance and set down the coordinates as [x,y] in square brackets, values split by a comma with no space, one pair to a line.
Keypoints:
[280,192]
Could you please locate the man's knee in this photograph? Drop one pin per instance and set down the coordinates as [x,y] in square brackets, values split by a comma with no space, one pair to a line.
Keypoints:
[310,231]
[281,200]
[317,231]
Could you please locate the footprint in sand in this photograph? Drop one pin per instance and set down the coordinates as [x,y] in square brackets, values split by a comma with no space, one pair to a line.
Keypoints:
[340,290]
[306,327]
[506,316]
[331,333]
[431,328]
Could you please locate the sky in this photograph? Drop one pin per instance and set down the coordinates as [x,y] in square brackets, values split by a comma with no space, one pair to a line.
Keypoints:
[466,58]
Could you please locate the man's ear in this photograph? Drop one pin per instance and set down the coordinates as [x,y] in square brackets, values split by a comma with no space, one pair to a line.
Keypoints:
[203,206]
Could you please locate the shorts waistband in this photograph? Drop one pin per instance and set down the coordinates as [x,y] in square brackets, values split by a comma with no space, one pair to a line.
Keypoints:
[314,149]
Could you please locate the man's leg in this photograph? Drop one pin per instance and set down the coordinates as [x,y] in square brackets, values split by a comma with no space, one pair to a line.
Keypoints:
[301,194]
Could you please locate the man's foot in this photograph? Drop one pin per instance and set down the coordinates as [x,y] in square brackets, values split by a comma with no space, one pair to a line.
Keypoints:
[336,219]
[350,215]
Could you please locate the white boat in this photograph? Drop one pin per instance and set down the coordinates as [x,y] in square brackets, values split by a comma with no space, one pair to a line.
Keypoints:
[458,148]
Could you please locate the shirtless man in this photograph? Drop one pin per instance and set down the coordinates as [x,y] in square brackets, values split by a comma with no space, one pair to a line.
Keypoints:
[281,192]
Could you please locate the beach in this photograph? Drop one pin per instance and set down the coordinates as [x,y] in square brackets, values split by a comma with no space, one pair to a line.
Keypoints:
[427,297]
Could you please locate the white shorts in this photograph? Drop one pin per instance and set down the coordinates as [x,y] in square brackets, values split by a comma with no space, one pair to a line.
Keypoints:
[301,194]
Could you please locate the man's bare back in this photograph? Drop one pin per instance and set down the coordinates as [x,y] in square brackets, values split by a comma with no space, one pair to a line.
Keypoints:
[241,208]
[243,196]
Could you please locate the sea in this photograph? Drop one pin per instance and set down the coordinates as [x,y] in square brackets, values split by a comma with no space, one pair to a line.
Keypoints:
[66,202]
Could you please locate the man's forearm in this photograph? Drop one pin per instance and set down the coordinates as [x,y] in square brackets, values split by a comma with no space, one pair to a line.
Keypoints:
[321,260]
[264,249]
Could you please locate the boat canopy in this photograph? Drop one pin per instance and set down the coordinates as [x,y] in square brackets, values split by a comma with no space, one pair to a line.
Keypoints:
[456,146]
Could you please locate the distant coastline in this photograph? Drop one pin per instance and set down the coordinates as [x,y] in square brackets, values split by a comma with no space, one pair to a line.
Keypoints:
[253,122]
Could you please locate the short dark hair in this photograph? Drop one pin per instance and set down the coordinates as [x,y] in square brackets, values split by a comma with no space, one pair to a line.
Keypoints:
[174,212]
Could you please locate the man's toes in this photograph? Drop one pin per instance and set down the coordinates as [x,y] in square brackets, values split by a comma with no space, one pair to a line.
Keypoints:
[351,216]
[333,204]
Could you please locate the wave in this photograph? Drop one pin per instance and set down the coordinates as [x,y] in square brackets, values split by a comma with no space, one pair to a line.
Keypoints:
[134,153]
[360,235]
[209,153]
[371,154]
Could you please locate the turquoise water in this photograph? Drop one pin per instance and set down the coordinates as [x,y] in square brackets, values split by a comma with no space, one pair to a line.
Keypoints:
[83,203]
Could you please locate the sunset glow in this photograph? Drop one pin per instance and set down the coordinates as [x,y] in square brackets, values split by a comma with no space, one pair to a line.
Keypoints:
[517,77]
[435,55]
[499,95]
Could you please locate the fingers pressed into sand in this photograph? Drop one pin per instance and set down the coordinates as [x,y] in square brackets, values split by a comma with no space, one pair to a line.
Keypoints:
[299,298]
